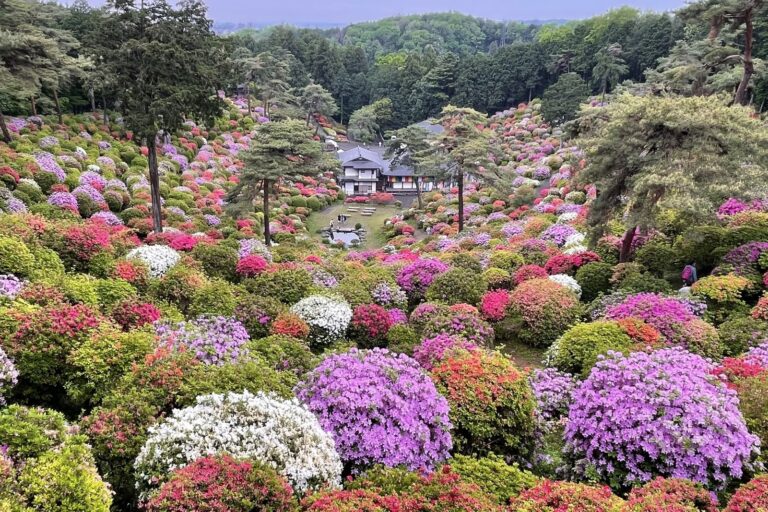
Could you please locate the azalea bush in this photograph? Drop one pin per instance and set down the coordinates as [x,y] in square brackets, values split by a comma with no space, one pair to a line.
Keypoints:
[664,494]
[380,408]
[494,476]
[551,496]
[457,286]
[223,484]
[491,404]
[580,347]
[631,428]
[432,351]
[417,277]
[213,339]
[370,324]
[464,324]
[542,310]
[280,433]
[327,317]
[750,497]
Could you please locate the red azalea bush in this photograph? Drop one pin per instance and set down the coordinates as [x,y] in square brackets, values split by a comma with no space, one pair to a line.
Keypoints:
[358,199]
[223,484]
[542,310]
[760,311]
[735,369]
[570,263]
[289,324]
[528,272]
[382,198]
[357,500]
[133,313]
[491,404]
[494,305]
[370,324]
[82,242]
[251,265]
[670,495]
[640,332]
[550,496]
[132,271]
[750,497]
[46,337]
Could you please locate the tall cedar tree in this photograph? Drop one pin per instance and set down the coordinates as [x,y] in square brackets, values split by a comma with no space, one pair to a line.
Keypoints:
[279,150]
[651,154]
[167,64]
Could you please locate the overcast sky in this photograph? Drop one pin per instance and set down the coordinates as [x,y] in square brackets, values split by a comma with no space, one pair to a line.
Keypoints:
[349,11]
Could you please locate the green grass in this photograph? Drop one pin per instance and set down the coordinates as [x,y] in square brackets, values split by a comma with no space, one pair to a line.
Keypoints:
[373,225]
[523,355]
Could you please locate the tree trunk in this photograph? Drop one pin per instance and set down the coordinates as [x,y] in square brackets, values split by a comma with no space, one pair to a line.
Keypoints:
[742,96]
[248,98]
[418,193]
[267,234]
[309,115]
[34,105]
[58,106]
[626,244]
[715,26]
[530,95]
[104,104]
[92,96]
[4,128]
[154,184]
[461,199]
[341,111]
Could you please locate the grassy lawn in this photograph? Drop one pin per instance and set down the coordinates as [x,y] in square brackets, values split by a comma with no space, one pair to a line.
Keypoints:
[373,224]
[523,355]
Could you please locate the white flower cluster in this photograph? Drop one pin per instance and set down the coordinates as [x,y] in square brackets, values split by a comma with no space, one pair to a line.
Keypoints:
[158,258]
[565,218]
[328,317]
[568,282]
[280,433]
[574,244]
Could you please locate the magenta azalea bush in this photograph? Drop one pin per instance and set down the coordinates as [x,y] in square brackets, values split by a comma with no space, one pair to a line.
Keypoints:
[416,277]
[380,408]
[659,414]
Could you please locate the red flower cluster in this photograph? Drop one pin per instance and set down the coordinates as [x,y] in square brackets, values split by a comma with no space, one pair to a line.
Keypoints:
[223,484]
[132,313]
[251,265]
[670,494]
[131,271]
[569,263]
[84,241]
[528,272]
[735,369]
[289,324]
[551,496]
[750,497]
[371,321]
[494,305]
[640,332]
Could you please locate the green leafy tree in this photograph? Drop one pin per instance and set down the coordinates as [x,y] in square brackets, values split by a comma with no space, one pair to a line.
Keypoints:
[268,73]
[609,69]
[736,14]
[463,148]
[280,150]
[411,146]
[368,122]
[315,99]
[562,99]
[651,154]
[167,65]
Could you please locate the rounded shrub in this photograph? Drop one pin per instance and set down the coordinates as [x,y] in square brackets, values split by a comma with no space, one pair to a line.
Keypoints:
[740,333]
[380,408]
[658,414]
[221,483]
[550,496]
[370,324]
[283,353]
[750,497]
[457,286]
[665,494]
[594,279]
[462,324]
[491,403]
[579,348]
[328,318]
[218,260]
[286,285]
[542,310]
[402,339]
[493,476]
[15,257]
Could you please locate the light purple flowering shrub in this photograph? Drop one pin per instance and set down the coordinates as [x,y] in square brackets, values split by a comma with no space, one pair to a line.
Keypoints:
[214,339]
[8,375]
[416,277]
[553,391]
[433,350]
[460,323]
[380,408]
[659,414]
[10,286]
[759,354]
[558,233]
[63,200]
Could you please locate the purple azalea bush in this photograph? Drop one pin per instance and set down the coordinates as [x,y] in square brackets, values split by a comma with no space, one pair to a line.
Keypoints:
[558,233]
[759,354]
[380,408]
[416,277]
[666,314]
[659,414]
[215,340]
[10,286]
[553,391]
[432,351]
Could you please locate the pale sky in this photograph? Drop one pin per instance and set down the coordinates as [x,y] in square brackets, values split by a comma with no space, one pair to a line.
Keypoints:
[349,11]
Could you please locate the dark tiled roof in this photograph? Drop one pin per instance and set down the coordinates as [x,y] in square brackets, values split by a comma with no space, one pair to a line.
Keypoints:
[433,128]
[362,153]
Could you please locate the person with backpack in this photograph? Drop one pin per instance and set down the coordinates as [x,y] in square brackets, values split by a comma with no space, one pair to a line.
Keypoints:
[689,274]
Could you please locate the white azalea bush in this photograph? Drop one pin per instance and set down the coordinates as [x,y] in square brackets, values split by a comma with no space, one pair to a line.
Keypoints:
[158,258]
[280,433]
[327,317]
[568,282]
